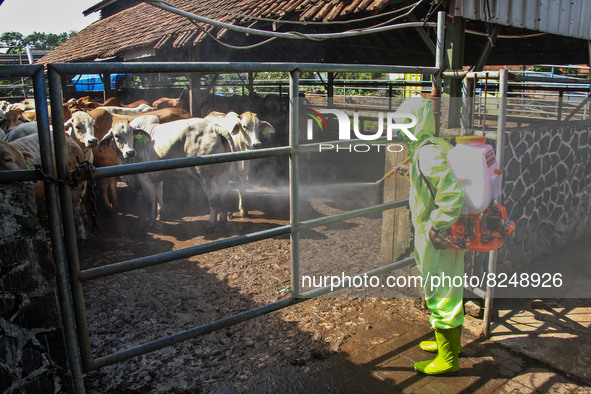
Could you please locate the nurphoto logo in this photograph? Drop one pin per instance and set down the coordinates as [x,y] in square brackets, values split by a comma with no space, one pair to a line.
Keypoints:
[393,121]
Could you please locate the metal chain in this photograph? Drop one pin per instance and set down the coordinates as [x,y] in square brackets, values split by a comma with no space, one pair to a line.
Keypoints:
[48,178]
[84,171]
[87,170]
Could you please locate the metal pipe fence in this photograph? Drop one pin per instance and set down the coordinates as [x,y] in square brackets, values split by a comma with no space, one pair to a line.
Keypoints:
[293,229]
[53,213]
[529,98]
[61,220]
[65,248]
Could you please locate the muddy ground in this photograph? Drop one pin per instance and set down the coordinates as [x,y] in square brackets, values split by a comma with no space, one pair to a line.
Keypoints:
[278,351]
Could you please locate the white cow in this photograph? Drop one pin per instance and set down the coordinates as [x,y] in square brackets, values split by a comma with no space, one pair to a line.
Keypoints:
[128,111]
[20,131]
[246,130]
[81,128]
[145,139]
[29,147]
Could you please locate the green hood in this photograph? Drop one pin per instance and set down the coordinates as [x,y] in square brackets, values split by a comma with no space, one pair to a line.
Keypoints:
[425,127]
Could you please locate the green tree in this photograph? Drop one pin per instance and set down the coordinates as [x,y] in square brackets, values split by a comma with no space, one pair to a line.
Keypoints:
[11,39]
[36,40]
[46,40]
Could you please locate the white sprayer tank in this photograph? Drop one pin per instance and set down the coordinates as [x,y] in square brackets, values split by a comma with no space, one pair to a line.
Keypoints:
[475,167]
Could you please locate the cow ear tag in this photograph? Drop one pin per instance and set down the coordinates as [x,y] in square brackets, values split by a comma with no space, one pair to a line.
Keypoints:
[32,167]
[140,138]
[266,132]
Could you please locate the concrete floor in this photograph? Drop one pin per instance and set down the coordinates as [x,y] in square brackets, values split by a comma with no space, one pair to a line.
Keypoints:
[536,346]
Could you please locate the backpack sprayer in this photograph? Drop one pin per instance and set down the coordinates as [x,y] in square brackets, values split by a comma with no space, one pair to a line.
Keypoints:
[481,225]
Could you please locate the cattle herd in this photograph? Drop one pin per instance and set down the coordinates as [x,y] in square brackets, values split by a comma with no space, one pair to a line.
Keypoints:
[112,133]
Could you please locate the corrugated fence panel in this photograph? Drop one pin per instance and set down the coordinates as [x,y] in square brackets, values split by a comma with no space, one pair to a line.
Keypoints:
[562,17]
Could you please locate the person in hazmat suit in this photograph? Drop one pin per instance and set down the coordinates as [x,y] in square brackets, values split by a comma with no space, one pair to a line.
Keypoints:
[435,201]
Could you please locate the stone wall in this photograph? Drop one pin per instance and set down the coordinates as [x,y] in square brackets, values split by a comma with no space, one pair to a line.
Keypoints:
[33,358]
[547,189]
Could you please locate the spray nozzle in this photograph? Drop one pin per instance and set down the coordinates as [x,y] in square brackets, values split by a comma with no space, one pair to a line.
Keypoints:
[394,171]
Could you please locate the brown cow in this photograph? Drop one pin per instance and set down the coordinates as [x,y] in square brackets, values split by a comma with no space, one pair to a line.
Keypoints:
[12,158]
[86,103]
[111,101]
[166,102]
[13,118]
[105,158]
[30,115]
[114,102]
[165,115]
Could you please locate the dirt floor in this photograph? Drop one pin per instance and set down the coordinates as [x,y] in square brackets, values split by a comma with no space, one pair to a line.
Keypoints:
[278,351]
[345,343]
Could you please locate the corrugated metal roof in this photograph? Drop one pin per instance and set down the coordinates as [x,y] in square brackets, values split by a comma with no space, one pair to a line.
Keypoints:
[569,18]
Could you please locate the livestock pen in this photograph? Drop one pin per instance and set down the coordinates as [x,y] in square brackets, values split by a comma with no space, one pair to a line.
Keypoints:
[66,249]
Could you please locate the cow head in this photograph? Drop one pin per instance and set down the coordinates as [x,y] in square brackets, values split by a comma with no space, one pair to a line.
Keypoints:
[247,130]
[124,138]
[86,102]
[13,118]
[12,159]
[81,128]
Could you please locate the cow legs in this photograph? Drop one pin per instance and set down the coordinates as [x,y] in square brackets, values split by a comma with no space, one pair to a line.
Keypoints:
[214,180]
[113,192]
[149,190]
[109,185]
[158,193]
[241,191]
[213,197]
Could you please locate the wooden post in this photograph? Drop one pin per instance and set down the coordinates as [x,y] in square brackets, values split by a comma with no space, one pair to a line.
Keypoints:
[330,91]
[106,78]
[396,226]
[195,94]
[250,82]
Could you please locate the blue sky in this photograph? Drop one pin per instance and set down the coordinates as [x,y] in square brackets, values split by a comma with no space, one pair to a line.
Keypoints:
[45,16]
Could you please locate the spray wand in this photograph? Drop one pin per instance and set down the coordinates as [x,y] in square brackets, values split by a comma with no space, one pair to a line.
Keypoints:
[393,171]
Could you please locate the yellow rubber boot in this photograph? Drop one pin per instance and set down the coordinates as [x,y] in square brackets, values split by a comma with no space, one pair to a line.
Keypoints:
[431,346]
[446,361]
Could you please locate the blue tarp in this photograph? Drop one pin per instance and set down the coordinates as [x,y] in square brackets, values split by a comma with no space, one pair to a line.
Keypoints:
[93,82]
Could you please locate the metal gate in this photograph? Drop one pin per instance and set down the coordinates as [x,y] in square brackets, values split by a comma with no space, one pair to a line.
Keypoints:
[61,218]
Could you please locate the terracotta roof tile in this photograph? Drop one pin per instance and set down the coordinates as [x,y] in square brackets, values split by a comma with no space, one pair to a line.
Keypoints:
[145,25]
